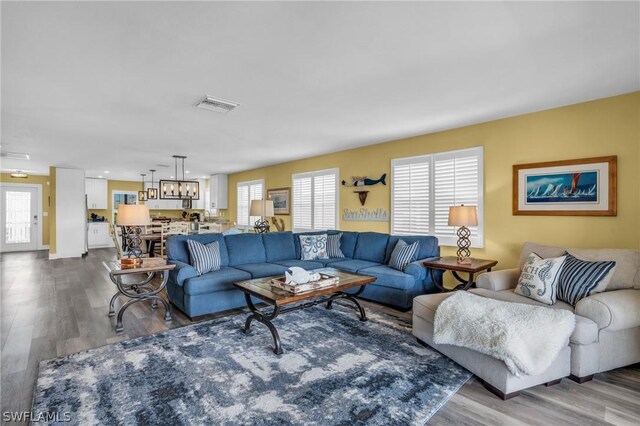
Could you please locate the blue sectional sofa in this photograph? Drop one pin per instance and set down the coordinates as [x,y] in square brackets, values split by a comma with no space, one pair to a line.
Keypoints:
[246,256]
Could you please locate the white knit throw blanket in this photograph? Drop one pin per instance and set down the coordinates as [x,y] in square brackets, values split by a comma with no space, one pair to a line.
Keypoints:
[527,338]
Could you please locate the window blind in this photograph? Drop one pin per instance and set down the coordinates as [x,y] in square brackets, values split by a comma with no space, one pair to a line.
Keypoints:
[315,203]
[246,192]
[423,189]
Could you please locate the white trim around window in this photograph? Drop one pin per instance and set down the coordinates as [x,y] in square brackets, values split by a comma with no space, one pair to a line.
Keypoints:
[424,187]
[315,200]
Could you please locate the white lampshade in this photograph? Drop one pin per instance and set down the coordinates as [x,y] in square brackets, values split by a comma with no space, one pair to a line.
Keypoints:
[463,216]
[133,215]
[262,208]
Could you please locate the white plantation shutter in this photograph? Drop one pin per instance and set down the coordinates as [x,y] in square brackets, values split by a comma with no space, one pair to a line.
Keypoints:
[248,191]
[423,189]
[302,203]
[315,202]
[410,196]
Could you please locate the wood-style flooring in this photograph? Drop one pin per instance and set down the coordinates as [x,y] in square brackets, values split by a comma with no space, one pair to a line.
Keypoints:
[55,308]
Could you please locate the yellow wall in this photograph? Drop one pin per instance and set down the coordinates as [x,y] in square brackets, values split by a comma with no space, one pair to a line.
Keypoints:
[46,193]
[609,126]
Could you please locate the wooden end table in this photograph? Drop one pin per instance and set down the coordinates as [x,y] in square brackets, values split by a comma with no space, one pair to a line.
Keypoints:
[450,263]
[261,289]
[140,290]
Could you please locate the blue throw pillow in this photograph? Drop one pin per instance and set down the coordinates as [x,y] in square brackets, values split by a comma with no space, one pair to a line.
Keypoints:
[403,254]
[205,258]
[580,278]
[333,246]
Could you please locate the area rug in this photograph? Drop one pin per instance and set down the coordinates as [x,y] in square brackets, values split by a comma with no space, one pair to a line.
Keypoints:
[334,370]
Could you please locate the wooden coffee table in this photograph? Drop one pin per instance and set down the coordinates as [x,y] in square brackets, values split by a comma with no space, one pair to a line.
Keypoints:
[450,263]
[261,289]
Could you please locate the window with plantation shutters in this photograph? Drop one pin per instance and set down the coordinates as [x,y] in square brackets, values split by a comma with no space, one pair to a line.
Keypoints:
[423,189]
[248,191]
[315,202]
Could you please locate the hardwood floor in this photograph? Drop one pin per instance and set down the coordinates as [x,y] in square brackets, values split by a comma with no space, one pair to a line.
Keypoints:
[55,308]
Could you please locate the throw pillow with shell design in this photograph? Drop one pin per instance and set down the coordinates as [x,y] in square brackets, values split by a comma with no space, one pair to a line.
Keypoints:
[539,278]
[313,247]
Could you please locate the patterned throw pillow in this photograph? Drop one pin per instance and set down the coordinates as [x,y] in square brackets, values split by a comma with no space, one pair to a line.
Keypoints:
[313,247]
[539,278]
[333,245]
[205,258]
[581,278]
[403,254]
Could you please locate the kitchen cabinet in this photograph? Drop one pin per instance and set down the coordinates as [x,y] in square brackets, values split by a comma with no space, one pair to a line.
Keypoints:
[96,191]
[98,235]
[218,192]
[201,204]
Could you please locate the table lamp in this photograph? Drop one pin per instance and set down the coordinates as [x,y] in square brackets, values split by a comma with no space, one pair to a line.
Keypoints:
[262,208]
[132,217]
[463,216]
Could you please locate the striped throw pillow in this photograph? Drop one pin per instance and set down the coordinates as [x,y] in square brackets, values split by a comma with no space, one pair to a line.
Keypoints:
[205,258]
[333,245]
[580,278]
[403,254]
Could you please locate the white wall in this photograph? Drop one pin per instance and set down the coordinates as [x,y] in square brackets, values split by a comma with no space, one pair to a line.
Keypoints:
[71,219]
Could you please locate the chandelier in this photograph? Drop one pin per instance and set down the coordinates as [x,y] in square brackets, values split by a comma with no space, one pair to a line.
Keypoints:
[179,189]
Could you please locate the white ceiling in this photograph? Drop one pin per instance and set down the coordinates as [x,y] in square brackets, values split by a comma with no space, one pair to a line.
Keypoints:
[111,86]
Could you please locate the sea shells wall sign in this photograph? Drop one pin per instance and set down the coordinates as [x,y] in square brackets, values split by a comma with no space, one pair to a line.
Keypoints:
[366,215]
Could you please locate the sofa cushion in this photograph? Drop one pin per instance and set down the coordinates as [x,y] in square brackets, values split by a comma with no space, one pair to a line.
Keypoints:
[389,277]
[626,275]
[214,281]
[580,278]
[304,264]
[296,239]
[177,247]
[260,270]
[371,246]
[279,246]
[331,261]
[348,243]
[353,265]
[425,306]
[428,245]
[245,248]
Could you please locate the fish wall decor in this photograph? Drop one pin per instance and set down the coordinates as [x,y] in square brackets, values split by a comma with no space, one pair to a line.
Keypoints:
[365,181]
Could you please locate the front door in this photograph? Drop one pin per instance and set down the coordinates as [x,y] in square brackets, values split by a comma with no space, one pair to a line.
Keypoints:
[20,224]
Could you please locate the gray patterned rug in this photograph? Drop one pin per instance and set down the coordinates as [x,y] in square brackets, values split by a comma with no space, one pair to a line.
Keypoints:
[335,370]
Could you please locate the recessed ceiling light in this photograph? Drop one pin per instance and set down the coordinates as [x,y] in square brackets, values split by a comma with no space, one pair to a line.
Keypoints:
[100,176]
[204,177]
[171,177]
[187,172]
[106,172]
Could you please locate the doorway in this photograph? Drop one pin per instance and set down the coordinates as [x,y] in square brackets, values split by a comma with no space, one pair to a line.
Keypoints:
[20,228]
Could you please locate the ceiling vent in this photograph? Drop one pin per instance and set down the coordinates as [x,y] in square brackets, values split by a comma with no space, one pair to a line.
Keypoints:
[217,105]
[15,155]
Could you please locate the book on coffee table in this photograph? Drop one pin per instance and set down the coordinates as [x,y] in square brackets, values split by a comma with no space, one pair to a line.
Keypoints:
[324,281]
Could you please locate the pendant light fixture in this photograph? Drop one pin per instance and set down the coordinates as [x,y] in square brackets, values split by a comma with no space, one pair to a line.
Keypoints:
[179,189]
[142,195]
[152,192]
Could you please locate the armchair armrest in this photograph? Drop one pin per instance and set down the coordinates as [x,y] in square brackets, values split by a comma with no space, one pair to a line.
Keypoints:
[612,310]
[181,272]
[504,279]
